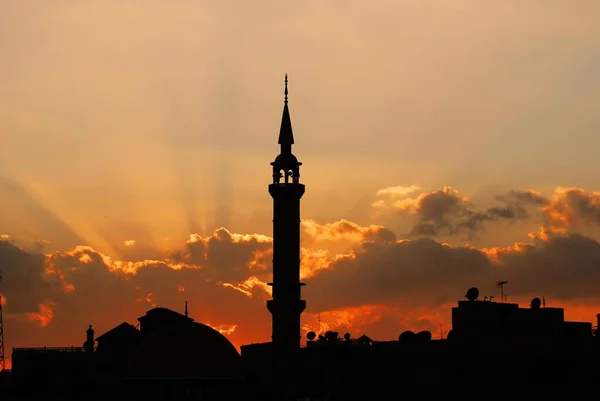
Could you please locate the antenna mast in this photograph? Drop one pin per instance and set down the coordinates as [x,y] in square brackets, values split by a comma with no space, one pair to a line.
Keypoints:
[2,360]
[501,285]
[319,321]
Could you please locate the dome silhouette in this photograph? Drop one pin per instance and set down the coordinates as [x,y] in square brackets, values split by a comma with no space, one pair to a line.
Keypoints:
[286,160]
[186,348]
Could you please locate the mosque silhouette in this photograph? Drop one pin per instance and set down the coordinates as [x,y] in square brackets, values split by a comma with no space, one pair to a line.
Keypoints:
[495,350]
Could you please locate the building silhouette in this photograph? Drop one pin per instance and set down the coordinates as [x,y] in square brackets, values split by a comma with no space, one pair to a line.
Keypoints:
[495,350]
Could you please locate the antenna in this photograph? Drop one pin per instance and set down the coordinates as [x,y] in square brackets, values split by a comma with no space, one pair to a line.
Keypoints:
[501,285]
[319,321]
[2,360]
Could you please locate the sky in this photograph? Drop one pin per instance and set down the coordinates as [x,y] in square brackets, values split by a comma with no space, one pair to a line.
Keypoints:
[445,144]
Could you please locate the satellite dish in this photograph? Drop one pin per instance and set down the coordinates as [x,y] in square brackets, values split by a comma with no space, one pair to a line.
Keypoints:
[472,294]
[311,335]
[424,335]
[536,303]
[347,336]
[407,336]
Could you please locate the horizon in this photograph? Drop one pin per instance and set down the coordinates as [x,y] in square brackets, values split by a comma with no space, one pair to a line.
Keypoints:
[446,147]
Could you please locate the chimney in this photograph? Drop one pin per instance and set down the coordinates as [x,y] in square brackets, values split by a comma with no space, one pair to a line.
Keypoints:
[88,345]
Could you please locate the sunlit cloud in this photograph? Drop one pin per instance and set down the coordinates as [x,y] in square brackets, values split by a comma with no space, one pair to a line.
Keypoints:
[44,316]
[398,190]
[342,230]
[248,285]
[224,329]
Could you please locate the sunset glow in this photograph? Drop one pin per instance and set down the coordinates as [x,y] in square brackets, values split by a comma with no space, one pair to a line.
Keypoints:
[445,146]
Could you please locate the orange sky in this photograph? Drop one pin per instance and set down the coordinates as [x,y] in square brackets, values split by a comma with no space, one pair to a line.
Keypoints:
[445,145]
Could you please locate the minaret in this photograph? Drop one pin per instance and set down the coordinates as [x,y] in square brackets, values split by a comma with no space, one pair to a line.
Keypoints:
[286,190]
[88,345]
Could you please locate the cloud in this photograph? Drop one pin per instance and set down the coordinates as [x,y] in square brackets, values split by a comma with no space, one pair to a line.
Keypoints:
[426,272]
[374,282]
[345,230]
[41,243]
[398,190]
[213,253]
[44,316]
[420,271]
[447,212]
[572,207]
[566,209]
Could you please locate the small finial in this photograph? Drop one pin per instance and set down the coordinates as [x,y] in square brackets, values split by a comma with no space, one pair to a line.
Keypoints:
[286,89]
[186,310]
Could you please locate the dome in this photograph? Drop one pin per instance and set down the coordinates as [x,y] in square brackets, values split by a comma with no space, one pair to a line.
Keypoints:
[184,349]
[286,160]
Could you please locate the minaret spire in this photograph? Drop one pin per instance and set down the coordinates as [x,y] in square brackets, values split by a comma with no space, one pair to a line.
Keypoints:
[286,90]
[286,135]
[186,311]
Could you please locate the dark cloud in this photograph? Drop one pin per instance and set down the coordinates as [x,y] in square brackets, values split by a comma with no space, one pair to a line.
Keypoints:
[444,212]
[23,283]
[563,267]
[524,197]
[425,272]
[422,271]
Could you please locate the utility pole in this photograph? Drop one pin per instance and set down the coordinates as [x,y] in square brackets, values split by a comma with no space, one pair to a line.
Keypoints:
[2,359]
[501,285]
